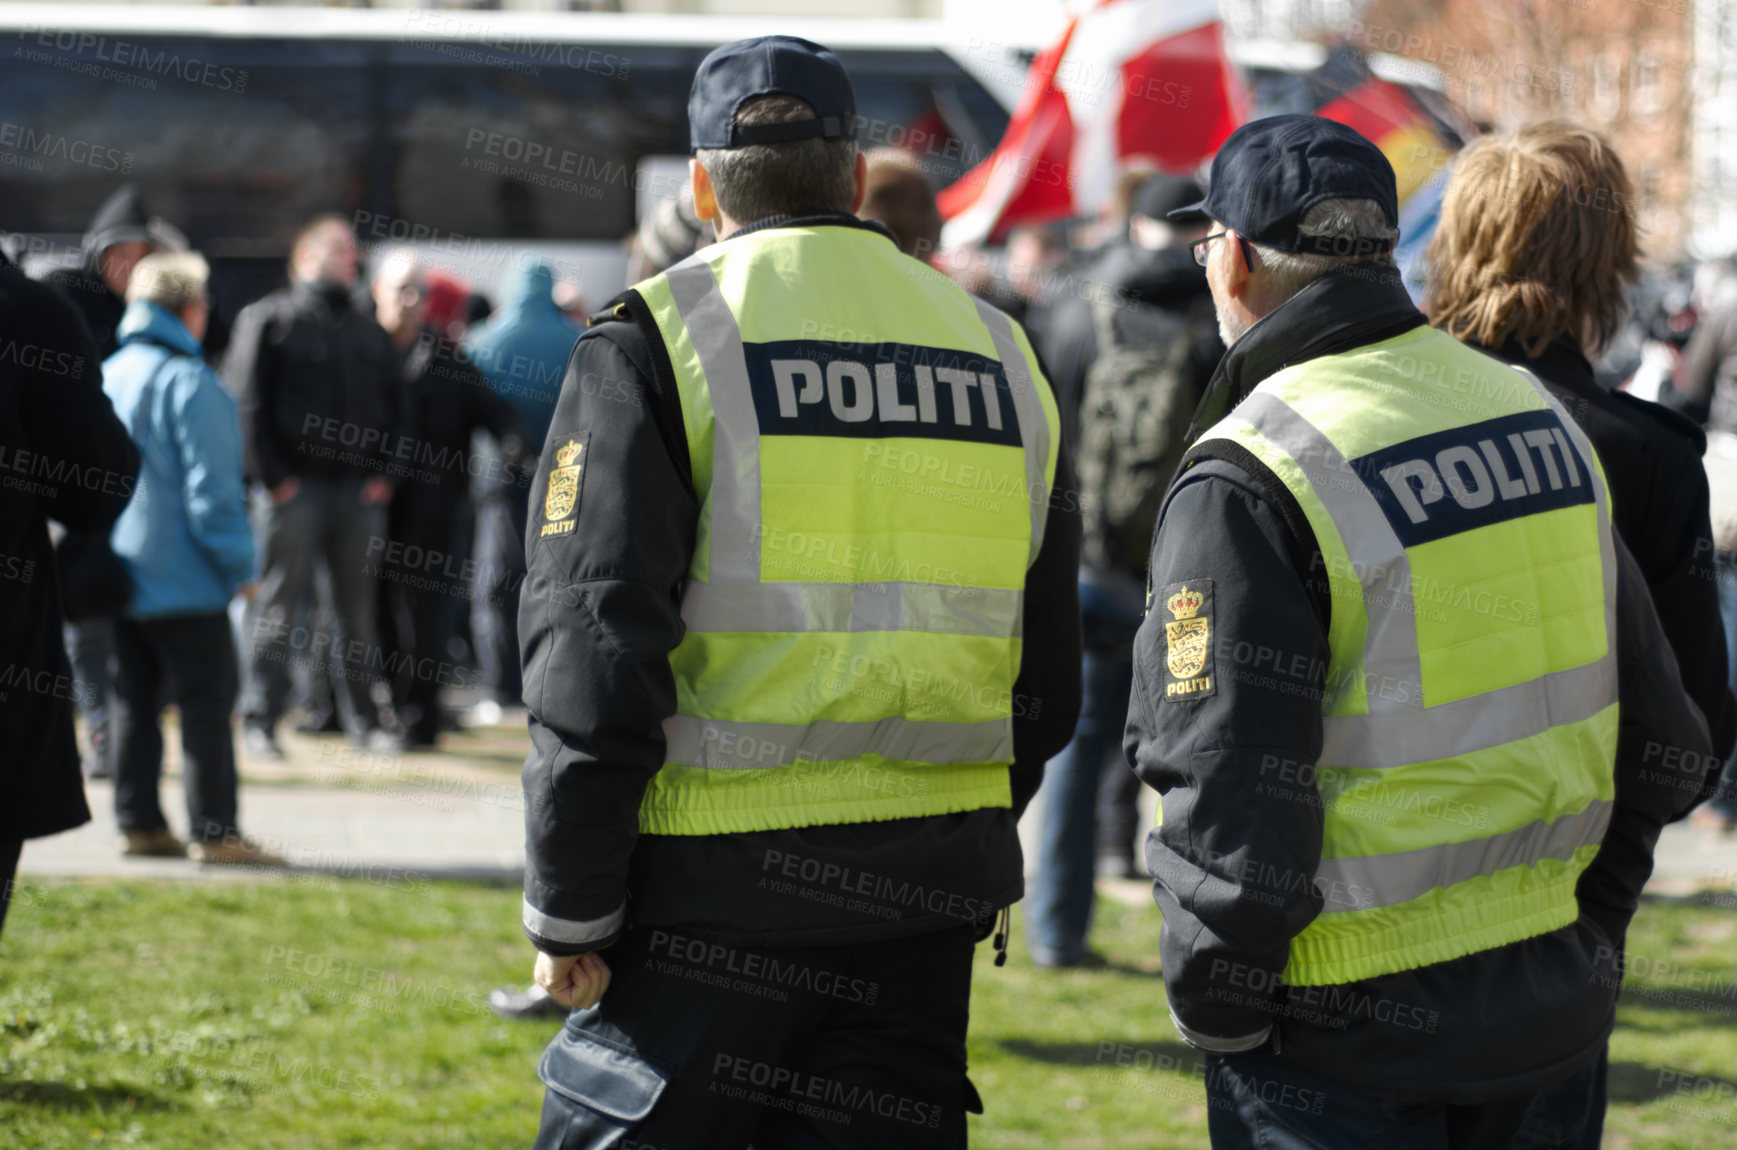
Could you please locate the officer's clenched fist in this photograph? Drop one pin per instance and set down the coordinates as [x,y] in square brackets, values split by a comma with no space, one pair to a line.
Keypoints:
[576,981]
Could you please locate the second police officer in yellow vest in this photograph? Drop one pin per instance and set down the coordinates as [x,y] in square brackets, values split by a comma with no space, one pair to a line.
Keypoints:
[800,629]
[1403,694]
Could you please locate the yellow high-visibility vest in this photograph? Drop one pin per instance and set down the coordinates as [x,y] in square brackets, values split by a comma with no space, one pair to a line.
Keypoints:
[873,450]
[1470,707]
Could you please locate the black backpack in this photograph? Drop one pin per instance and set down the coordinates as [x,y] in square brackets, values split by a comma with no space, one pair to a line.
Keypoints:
[1134,415]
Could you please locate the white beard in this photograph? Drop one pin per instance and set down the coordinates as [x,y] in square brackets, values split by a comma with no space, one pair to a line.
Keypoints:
[1230,329]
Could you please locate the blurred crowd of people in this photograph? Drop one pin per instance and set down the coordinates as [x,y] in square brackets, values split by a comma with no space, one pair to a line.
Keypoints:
[355,467]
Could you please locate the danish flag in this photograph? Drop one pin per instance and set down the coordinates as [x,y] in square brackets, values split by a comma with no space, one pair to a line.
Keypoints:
[1129,80]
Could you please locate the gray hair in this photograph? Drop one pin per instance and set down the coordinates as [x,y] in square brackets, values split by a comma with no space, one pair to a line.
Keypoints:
[763,180]
[1349,220]
[171,280]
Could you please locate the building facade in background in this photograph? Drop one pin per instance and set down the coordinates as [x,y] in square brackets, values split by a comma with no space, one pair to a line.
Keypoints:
[1659,77]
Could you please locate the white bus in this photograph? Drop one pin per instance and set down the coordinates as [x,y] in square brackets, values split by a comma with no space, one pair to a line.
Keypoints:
[481,137]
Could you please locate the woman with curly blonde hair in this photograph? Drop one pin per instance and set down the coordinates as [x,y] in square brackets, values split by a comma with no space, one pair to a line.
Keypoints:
[1532,262]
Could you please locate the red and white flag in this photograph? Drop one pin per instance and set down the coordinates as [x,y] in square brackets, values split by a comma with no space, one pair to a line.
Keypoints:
[1129,79]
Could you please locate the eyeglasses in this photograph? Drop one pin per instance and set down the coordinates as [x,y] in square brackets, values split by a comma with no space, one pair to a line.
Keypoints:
[1199,247]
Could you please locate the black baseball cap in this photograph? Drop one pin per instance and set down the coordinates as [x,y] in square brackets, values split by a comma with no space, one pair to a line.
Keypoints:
[766,66]
[1162,194]
[1270,172]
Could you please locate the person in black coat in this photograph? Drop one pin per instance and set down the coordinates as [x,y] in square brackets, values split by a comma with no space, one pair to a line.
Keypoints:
[1532,262]
[445,398]
[1144,294]
[119,237]
[63,456]
[317,393]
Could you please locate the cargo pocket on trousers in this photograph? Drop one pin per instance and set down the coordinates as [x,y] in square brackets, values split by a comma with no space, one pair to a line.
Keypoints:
[610,1090]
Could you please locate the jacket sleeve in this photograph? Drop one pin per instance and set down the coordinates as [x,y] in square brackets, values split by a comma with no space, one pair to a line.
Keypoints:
[1046,695]
[599,613]
[1684,587]
[73,426]
[1663,754]
[248,369]
[1068,345]
[1240,831]
[208,441]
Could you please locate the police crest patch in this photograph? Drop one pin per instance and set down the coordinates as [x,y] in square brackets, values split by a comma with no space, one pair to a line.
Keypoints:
[1188,640]
[561,500]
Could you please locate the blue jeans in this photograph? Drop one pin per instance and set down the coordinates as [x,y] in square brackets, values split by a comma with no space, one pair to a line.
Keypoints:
[1724,799]
[1059,910]
[90,647]
[1255,1100]
[494,613]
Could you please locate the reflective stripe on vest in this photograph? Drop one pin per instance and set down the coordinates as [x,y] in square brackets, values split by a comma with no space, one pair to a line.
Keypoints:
[885,690]
[1427,855]
[735,599]
[1399,729]
[1390,879]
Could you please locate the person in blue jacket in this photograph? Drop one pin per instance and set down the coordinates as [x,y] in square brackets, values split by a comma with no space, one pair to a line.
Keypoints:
[523,350]
[188,549]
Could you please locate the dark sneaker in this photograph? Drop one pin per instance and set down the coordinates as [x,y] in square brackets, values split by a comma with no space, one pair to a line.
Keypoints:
[260,743]
[532,1003]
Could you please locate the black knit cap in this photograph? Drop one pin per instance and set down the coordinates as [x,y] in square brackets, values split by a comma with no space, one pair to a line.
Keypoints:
[1270,172]
[767,66]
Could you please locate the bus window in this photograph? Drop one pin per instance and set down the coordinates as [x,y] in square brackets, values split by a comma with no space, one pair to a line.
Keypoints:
[234,142]
[541,150]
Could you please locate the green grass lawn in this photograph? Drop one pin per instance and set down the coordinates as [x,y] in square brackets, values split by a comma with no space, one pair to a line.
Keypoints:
[330,1013]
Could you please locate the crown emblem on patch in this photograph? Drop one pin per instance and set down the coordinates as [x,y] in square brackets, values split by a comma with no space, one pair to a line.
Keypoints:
[568,453]
[1185,603]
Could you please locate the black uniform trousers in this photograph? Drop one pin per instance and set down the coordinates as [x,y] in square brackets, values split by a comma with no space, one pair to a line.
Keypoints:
[702,1045]
[420,585]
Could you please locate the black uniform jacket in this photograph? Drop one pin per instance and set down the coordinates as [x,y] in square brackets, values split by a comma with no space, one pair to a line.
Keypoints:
[444,401]
[600,612]
[63,456]
[316,386]
[1241,834]
[1658,495]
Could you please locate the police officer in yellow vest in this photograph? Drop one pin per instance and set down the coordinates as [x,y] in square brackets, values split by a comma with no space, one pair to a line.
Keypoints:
[1403,695]
[800,629]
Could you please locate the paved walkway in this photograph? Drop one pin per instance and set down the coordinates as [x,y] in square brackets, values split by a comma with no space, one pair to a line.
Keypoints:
[460,814]
[334,810]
